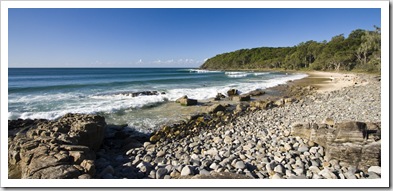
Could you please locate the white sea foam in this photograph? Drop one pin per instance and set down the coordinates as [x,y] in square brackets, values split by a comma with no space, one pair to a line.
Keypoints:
[197,93]
[91,105]
[203,71]
[43,97]
[244,74]
[283,80]
[260,73]
[146,125]
[112,103]
[237,74]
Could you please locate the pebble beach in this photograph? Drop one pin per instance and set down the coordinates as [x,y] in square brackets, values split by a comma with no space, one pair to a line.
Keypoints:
[260,143]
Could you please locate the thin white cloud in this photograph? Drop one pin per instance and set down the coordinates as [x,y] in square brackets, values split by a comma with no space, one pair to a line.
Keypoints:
[157,62]
[178,62]
[169,61]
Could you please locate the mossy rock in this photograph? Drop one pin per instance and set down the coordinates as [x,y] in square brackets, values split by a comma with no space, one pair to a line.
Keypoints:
[166,129]
[155,138]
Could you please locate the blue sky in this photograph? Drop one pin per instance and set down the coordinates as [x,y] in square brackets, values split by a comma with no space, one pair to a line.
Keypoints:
[166,37]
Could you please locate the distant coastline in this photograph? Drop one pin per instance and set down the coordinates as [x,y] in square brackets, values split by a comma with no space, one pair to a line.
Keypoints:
[359,52]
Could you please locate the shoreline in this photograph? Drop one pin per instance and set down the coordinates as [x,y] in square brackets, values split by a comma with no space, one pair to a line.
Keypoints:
[176,110]
[181,112]
[261,138]
[330,81]
[233,141]
[322,81]
[318,81]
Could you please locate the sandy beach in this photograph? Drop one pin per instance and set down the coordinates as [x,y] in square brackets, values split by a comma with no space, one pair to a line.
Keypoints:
[330,81]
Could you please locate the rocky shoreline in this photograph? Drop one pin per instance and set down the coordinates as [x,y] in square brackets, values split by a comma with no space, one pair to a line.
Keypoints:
[304,134]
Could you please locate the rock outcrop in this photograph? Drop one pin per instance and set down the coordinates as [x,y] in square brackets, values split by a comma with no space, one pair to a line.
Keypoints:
[64,148]
[185,101]
[241,98]
[355,143]
[141,93]
[256,92]
[215,108]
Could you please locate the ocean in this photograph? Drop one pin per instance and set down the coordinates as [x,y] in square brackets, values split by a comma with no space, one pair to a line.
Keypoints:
[49,93]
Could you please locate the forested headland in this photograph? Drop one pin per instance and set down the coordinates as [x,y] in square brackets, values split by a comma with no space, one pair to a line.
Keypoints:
[360,51]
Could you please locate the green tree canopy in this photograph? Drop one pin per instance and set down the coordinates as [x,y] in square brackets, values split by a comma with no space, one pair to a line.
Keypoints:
[361,50]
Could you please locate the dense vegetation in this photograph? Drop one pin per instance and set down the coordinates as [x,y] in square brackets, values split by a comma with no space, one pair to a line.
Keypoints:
[360,51]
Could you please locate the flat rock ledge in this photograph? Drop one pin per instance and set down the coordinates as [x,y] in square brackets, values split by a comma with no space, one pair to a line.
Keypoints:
[355,143]
[61,149]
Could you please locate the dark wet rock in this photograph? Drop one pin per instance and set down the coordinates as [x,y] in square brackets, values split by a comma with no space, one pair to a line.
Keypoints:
[161,172]
[141,93]
[219,96]
[188,102]
[233,92]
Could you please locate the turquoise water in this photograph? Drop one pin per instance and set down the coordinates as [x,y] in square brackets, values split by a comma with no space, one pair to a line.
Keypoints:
[52,92]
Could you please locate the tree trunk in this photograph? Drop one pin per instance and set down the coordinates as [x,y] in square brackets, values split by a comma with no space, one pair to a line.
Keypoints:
[338,66]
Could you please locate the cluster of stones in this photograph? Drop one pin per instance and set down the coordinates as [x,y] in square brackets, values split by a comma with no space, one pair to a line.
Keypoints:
[249,151]
[217,115]
[214,116]
[235,95]
[64,148]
